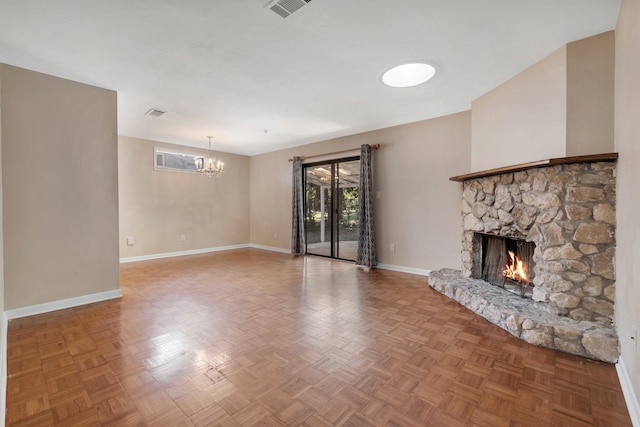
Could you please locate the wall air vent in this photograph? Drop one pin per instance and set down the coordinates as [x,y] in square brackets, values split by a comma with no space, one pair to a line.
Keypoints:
[154,112]
[285,8]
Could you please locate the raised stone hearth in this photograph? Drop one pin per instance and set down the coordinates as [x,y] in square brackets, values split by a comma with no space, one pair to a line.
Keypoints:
[566,207]
[528,320]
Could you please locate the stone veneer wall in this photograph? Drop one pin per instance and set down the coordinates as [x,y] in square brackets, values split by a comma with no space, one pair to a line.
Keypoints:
[569,212]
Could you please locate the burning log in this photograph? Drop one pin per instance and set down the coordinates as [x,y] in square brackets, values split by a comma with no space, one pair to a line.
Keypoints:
[515,269]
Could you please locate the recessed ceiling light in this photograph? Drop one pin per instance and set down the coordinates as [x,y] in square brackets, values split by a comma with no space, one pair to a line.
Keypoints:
[408,74]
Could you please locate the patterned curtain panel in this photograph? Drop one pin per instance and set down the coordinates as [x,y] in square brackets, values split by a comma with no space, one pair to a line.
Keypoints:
[367,255]
[297,227]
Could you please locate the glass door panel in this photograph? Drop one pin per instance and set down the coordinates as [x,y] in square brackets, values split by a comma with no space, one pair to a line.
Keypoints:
[317,216]
[348,212]
[331,208]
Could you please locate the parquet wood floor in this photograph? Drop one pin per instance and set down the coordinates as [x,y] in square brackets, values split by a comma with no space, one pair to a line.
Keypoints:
[249,337]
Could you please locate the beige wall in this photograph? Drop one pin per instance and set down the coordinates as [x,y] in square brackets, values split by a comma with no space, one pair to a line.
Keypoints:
[419,208]
[158,207]
[560,106]
[627,140]
[590,95]
[524,119]
[60,195]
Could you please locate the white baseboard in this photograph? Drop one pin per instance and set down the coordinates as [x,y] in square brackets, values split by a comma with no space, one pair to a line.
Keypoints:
[182,253]
[630,397]
[391,267]
[47,307]
[3,368]
[270,248]
[402,269]
[399,268]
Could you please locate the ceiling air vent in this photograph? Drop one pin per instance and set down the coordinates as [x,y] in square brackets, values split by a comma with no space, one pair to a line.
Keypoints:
[154,112]
[285,8]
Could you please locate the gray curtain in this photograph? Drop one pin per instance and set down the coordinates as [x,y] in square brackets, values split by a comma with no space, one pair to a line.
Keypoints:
[297,227]
[366,255]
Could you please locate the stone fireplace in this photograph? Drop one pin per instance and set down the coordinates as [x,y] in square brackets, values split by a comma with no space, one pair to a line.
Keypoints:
[568,211]
[558,218]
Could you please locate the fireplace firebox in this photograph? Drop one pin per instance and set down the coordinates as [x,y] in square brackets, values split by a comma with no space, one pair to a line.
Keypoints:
[507,263]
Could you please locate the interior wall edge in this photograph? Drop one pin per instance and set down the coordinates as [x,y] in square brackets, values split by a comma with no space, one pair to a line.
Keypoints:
[633,404]
[3,368]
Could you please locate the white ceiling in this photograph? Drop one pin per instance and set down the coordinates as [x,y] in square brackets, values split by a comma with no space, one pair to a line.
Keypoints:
[233,68]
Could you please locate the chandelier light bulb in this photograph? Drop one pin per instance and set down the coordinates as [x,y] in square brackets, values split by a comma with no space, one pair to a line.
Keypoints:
[209,166]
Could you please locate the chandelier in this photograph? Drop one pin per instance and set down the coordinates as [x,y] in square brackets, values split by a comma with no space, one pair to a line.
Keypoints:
[209,166]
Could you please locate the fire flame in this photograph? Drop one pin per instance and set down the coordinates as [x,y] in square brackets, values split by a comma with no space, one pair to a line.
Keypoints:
[515,270]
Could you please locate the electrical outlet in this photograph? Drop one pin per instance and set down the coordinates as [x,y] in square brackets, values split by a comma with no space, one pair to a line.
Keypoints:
[275,235]
[392,247]
[130,241]
[183,237]
[378,194]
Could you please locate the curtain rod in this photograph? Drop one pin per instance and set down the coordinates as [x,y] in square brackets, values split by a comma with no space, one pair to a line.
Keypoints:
[374,146]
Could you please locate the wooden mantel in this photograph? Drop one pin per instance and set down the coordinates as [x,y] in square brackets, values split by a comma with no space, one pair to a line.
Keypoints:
[607,157]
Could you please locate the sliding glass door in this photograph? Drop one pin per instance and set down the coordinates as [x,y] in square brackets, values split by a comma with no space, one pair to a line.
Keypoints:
[331,207]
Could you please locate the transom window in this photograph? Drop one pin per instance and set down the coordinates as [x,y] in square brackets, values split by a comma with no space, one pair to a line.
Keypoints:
[175,160]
